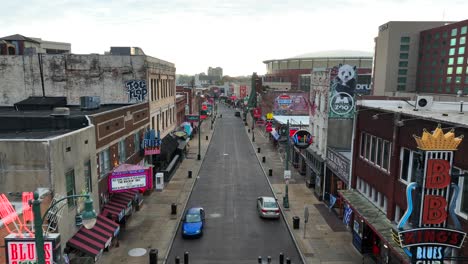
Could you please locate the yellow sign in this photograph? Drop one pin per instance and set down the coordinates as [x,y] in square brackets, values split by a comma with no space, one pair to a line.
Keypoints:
[269,116]
[438,140]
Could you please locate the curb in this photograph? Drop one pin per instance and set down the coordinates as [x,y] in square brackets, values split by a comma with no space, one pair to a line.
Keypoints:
[282,209]
[164,261]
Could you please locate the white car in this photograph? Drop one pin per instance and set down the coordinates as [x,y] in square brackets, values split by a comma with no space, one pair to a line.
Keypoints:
[267,207]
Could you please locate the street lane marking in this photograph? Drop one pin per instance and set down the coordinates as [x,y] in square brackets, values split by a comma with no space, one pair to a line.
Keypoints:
[215,215]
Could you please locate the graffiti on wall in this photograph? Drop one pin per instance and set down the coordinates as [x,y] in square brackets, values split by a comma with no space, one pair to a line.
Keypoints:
[136,90]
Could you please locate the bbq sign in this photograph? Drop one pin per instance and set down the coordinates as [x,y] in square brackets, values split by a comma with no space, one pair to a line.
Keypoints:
[436,200]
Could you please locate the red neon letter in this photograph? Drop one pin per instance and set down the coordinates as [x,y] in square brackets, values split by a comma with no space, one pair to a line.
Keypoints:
[14,251]
[434,210]
[438,176]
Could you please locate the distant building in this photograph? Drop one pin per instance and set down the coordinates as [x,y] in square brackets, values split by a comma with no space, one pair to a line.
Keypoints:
[397,54]
[292,73]
[21,45]
[218,71]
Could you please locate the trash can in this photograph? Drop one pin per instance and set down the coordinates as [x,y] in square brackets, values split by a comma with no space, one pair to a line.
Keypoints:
[296,222]
[173,209]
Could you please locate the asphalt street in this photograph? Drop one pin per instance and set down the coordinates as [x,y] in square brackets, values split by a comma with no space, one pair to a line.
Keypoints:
[228,184]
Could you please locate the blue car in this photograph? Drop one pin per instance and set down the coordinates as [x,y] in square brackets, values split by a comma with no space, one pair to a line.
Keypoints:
[193,222]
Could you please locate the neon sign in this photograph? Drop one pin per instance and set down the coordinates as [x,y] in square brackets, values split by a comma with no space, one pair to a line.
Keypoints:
[431,240]
[19,252]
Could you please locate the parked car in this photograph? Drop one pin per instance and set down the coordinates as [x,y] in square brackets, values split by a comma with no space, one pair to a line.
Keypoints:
[267,207]
[193,222]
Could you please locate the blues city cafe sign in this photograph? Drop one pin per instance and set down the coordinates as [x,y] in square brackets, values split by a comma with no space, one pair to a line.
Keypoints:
[435,196]
[152,143]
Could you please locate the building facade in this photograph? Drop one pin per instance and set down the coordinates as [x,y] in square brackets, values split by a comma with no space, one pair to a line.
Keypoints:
[290,70]
[384,161]
[443,60]
[180,108]
[21,45]
[396,56]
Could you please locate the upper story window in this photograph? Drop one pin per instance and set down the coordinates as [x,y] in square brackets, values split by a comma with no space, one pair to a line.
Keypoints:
[104,162]
[405,39]
[409,162]
[122,153]
[376,151]
[462,204]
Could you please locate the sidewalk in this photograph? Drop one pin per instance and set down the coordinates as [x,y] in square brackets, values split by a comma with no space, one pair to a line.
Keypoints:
[155,216]
[326,238]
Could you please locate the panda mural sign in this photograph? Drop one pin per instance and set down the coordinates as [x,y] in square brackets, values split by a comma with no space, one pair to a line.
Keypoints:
[342,89]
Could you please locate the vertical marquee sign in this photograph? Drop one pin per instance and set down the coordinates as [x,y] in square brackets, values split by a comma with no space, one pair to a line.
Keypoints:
[431,200]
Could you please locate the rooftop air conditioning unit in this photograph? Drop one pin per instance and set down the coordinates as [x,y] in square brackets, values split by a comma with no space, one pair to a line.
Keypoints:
[90,102]
[423,102]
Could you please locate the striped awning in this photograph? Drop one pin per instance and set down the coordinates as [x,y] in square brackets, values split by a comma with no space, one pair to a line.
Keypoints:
[93,241]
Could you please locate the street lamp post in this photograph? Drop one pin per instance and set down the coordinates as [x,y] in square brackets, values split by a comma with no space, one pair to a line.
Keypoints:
[89,220]
[286,171]
[199,127]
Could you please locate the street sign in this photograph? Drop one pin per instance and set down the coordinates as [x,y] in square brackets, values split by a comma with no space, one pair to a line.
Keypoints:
[191,118]
[287,174]
[306,214]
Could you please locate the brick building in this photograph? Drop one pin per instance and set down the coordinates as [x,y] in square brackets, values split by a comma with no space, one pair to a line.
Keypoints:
[383,165]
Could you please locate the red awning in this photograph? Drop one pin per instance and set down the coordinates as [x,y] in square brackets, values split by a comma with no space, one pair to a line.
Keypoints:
[90,250]
[131,194]
[93,241]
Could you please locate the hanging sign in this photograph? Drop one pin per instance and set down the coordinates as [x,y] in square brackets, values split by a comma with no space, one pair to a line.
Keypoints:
[269,116]
[152,143]
[257,112]
[302,139]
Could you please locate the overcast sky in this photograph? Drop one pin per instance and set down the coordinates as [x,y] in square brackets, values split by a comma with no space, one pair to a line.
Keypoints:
[235,35]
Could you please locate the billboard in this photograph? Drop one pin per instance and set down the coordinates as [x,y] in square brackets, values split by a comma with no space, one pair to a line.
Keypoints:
[291,104]
[343,80]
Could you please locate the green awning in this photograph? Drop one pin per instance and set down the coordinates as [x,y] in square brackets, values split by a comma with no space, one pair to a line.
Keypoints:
[374,217]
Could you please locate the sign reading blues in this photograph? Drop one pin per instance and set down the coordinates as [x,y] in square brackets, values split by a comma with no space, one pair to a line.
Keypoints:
[136,90]
[152,143]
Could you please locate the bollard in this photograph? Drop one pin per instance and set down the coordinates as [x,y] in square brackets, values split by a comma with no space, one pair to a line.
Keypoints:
[177,260]
[270,172]
[281,258]
[186,257]
[260,259]
[258,150]
[263,159]
[206,137]
[248,130]
[190,174]
[268,259]
[173,208]
[288,261]
[153,256]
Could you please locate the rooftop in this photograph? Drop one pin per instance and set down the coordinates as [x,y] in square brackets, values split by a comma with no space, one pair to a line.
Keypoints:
[40,124]
[446,112]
